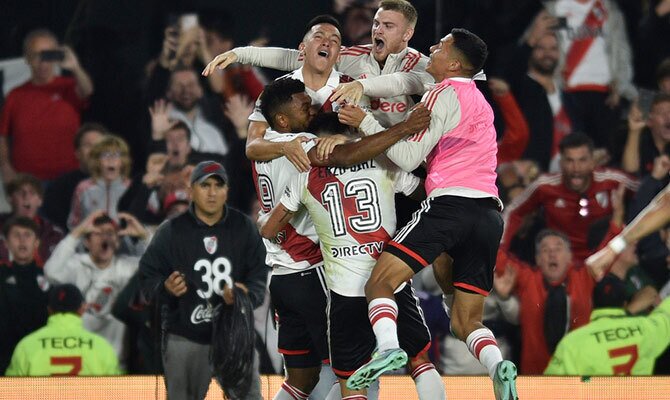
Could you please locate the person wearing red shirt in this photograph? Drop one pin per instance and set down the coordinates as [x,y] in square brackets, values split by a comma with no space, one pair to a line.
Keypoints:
[42,116]
[554,298]
[575,201]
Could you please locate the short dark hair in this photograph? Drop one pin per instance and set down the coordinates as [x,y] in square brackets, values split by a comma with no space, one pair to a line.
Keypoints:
[322,19]
[544,233]
[610,292]
[65,298]
[574,140]
[182,125]
[86,128]
[23,222]
[327,123]
[24,179]
[660,98]
[663,70]
[276,95]
[472,47]
[102,220]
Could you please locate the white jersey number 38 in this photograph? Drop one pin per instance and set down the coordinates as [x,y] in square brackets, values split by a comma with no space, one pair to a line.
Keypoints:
[214,274]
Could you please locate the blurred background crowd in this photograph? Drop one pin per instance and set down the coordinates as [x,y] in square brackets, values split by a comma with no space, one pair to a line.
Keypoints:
[103,107]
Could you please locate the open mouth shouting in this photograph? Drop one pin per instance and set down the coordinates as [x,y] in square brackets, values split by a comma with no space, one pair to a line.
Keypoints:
[379,44]
[323,53]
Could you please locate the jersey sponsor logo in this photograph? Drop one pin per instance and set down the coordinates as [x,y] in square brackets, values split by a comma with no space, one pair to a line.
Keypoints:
[388,106]
[201,314]
[67,342]
[610,335]
[372,249]
[211,244]
[559,203]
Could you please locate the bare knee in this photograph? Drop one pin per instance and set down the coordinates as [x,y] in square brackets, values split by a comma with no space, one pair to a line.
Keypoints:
[388,274]
[466,313]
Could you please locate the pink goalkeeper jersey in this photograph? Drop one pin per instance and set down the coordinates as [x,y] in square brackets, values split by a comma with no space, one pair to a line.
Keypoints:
[459,146]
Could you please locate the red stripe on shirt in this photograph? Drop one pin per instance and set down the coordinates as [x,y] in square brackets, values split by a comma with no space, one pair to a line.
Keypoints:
[431,99]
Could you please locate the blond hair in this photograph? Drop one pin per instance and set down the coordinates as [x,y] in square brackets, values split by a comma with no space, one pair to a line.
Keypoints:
[109,143]
[404,7]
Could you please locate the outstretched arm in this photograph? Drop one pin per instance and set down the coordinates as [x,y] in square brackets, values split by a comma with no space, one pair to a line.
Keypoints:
[267,57]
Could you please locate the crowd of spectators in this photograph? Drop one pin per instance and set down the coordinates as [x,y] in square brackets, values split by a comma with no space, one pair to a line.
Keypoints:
[581,92]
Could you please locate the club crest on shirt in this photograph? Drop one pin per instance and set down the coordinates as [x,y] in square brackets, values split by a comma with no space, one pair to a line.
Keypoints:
[560,203]
[603,199]
[210,244]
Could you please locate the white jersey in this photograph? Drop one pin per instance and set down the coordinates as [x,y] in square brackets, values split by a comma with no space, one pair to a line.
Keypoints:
[320,98]
[353,210]
[359,63]
[296,247]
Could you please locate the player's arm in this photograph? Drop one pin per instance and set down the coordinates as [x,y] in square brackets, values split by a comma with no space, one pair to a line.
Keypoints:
[267,57]
[409,154]
[276,220]
[260,149]
[369,147]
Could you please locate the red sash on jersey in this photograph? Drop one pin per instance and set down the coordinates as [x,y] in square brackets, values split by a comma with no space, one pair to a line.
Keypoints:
[562,127]
[594,20]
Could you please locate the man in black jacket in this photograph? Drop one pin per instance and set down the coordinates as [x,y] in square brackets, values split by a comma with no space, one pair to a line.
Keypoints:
[191,266]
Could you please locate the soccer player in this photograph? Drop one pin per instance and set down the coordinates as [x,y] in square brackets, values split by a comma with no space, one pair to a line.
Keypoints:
[461,215]
[63,346]
[613,343]
[353,210]
[650,219]
[392,29]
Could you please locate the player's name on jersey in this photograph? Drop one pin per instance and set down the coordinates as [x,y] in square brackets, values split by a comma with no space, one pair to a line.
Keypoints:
[68,342]
[614,334]
[367,249]
[335,171]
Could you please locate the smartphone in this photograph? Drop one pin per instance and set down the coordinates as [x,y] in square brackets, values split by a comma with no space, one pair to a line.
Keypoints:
[188,21]
[123,224]
[644,101]
[561,23]
[52,55]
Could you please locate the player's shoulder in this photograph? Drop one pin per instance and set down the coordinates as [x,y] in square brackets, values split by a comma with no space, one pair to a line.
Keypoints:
[356,51]
[411,60]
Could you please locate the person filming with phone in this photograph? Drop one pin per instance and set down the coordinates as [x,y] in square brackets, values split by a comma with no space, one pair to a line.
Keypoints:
[101,272]
[40,118]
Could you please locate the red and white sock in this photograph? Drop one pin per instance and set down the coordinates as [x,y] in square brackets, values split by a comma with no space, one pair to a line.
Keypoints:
[482,344]
[356,397]
[429,384]
[288,392]
[383,314]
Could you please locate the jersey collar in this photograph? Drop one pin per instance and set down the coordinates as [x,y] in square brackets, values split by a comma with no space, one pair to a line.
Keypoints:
[607,313]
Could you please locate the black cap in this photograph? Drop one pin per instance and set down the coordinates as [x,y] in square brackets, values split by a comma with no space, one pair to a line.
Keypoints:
[206,169]
[65,298]
[610,292]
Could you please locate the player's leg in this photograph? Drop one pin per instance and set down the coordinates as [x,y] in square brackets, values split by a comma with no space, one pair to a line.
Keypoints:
[443,273]
[295,295]
[415,340]
[404,256]
[474,262]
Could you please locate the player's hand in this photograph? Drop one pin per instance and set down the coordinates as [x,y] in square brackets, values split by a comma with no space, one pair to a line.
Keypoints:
[348,92]
[294,152]
[160,119]
[351,115]
[599,262]
[418,119]
[326,145]
[220,62]
[504,284]
[175,284]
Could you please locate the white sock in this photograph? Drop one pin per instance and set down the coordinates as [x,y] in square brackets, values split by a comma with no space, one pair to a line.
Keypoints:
[482,344]
[383,314]
[356,397]
[335,392]
[288,392]
[429,384]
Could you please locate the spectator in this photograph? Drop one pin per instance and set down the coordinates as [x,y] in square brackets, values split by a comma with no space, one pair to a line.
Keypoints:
[25,196]
[357,19]
[644,145]
[190,269]
[42,115]
[64,347]
[515,137]
[663,75]
[596,64]
[651,50]
[576,201]
[58,195]
[23,298]
[613,343]
[554,297]
[110,166]
[531,72]
[100,273]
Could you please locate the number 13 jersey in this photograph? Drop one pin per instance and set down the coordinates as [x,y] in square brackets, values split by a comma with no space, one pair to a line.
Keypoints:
[353,211]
